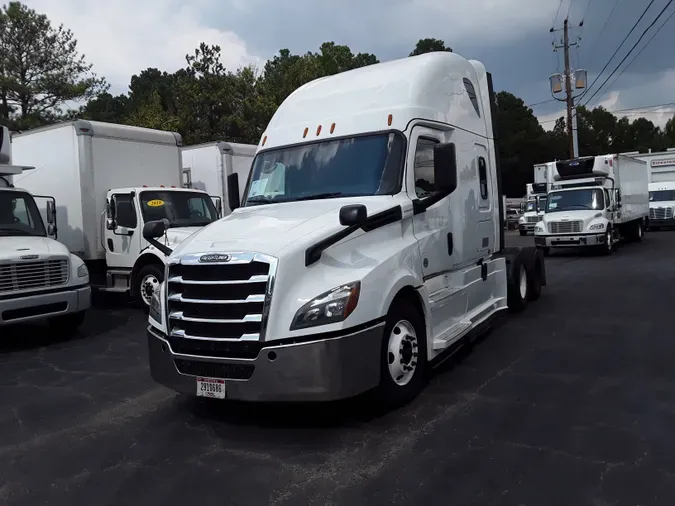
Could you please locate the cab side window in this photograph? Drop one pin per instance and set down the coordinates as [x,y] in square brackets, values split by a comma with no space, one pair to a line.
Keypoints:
[423,169]
[126,214]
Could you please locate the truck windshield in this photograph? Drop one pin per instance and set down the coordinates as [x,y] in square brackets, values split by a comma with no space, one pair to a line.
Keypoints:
[348,167]
[19,215]
[181,208]
[662,195]
[531,206]
[571,200]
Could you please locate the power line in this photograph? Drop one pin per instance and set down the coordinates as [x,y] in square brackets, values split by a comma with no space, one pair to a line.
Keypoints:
[555,18]
[588,5]
[643,48]
[595,44]
[617,49]
[631,49]
[542,102]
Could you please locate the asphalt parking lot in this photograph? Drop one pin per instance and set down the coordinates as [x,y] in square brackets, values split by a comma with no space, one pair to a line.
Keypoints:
[570,403]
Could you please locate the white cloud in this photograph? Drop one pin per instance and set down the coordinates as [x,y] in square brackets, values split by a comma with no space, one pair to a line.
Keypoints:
[123,37]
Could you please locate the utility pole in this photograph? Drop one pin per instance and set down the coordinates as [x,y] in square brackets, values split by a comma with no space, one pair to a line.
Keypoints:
[579,77]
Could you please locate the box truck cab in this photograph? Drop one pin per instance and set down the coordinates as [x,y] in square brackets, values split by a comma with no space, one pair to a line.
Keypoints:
[368,246]
[108,181]
[595,202]
[662,204]
[536,199]
[39,279]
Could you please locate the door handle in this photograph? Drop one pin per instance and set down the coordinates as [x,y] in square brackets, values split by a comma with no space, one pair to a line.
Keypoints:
[451,245]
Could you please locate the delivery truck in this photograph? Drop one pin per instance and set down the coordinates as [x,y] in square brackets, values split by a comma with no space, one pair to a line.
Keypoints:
[595,201]
[536,200]
[206,167]
[108,181]
[40,280]
[369,244]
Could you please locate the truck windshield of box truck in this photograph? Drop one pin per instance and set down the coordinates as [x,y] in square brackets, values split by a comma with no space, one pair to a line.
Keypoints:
[348,167]
[662,196]
[19,215]
[181,208]
[570,200]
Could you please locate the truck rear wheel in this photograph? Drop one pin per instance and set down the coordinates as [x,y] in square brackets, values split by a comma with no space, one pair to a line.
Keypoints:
[403,360]
[523,232]
[147,280]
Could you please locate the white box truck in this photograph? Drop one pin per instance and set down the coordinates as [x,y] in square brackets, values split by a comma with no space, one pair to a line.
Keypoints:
[39,279]
[368,247]
[536,197]
[108,180]
[207,166]
[595,201]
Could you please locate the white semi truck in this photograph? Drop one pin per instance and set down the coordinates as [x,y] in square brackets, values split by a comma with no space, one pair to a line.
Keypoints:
[206,167]
[662,204]
[536,197]
[39,279]
[369,244]
[595,201]
[109,180]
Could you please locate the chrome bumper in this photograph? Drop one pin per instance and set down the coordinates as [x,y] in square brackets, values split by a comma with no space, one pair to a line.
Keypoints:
[38,306]
[316,370]
[571,240]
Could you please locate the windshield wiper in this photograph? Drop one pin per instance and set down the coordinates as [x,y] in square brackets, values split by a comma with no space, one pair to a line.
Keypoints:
[317,196]
[260,199]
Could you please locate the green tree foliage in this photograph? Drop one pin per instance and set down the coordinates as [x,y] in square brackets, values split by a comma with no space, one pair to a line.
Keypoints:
[429,46]
[41,69]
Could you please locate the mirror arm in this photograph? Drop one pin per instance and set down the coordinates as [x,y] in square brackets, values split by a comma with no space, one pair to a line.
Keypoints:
[421,205]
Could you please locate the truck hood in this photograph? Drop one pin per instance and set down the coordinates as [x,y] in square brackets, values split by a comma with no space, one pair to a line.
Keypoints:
[585,215]
[15,247]
[175,236]
[665,203]
[270,228]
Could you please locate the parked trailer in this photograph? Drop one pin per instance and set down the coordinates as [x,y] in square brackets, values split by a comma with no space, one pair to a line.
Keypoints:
[360,256]
[207,167]
[109,180]
[596,201]
[39,279]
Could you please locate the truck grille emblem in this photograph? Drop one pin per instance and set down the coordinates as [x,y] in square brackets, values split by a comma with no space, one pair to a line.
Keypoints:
[214,257]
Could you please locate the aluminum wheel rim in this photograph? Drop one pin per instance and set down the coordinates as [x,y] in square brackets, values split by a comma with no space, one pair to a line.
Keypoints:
[609,239]
[522,282]
[639,233]
[149,285]
[402,352]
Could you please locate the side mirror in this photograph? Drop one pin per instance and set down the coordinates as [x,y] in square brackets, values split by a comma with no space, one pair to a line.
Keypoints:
[51,212]
[110,224]
[5,146]
[218,202]
[187,178]
[155,229]
[51,230]
[233,191]
[354,214]
[445,168]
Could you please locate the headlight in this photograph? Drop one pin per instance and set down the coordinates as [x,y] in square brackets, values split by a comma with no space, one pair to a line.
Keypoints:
[155,311]
[597,226]
[538,227]
[330,307]
[521,219]
[82,271]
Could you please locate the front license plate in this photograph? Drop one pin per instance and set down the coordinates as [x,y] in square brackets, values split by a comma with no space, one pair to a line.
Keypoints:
[211,387]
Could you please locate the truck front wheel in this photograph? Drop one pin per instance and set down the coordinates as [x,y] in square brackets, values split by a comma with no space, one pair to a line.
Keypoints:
[403,362]
[145,283]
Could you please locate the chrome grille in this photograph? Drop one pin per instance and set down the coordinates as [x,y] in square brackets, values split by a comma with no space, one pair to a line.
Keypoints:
[30,275]
[533,219]
[661,213]
[564,227]
[219,309]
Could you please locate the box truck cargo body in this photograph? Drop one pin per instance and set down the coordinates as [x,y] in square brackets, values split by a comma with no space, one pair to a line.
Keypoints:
[106,179]
[595,201]
[207,166]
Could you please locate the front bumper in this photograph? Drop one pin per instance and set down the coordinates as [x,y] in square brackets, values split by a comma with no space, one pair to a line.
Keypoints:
[569,240]
[32,307]
[316,370]
[662,223]
[527,227]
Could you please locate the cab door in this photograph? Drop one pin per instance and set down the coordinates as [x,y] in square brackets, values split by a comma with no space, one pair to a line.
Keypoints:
[122,231]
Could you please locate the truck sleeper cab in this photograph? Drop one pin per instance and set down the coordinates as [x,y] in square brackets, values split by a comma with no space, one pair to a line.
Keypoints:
[368,246]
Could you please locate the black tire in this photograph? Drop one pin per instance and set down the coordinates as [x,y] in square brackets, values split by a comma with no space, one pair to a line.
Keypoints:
[638,232]
[389,394]
[535,281]
[523,232]
[518,290]
[608,248]
[67,324]
[138,290]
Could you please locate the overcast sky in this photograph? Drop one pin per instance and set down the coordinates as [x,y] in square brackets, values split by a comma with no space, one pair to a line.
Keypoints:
[512,38]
